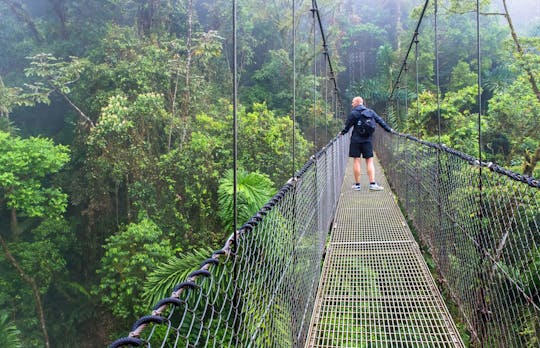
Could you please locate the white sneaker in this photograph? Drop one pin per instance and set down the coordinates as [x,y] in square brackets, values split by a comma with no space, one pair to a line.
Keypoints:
[357,187]
[375,187]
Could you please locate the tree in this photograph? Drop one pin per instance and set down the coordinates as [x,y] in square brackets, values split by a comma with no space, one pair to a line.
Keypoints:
[122,146]
[531,74]
[526,64]
[18,10]
[56,76]
[24,166]
[265,143]
[517,119]
[8,99]
[458,128]
[130,255]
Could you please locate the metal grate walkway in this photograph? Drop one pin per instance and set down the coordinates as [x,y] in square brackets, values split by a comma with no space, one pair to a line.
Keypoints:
[376,289]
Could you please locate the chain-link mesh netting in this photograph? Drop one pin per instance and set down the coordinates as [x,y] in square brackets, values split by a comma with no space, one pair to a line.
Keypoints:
[262,294]
[481,225]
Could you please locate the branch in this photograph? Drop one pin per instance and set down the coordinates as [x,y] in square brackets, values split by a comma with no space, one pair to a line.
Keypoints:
[492,14]
[79,111]
[515,37]
[33,285]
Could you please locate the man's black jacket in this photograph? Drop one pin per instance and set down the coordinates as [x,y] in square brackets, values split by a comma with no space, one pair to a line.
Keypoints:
[352,120]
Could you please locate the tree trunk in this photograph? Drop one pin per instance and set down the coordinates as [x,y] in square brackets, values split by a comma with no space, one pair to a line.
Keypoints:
[35,290]
[23,16]
[531,160]
[173,105]
[14,227]
[59,7]
[116,198]
[530,74]
[128,201]
[187,79]
[399,26]
[146,14]
[187,92]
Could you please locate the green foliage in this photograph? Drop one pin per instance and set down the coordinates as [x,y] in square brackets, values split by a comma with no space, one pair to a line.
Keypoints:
[24,166]
[123,65]
[56,75]
[462,77]
[9,97]
[509,215]
[253,191]
[458,125]
[270,81]
[515,119]
[498,79]
[130,255]
[9,334]
[265,143]
[189,179]
[162,141]
[161,281]
[124,145]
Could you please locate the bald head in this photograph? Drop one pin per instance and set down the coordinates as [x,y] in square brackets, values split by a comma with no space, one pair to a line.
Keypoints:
[357,101]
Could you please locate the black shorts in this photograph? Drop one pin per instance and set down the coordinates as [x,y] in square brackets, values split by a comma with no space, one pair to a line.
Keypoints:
[357,150]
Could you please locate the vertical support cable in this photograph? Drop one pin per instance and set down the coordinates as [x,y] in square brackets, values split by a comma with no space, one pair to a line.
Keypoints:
[409,49]
[235,122]
[294,214]
[417,75]
[325,93]
[294,88]
[396,98]
[438,84]
[235,164]
[479,90]
[313,11]
[482,306]
[406,91]
[336,106]
[437,77]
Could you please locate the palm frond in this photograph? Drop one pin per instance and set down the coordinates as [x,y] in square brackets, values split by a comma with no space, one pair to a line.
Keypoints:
[161,281]
[253,191]
[9,334]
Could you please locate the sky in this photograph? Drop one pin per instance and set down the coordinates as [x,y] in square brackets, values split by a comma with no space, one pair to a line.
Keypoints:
[522,12]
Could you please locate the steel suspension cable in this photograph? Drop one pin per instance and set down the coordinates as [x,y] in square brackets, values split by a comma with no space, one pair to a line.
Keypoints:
[313,10]
[438,86]
[325,53]
[294,87]
[406,89]
[479,92]
[409,49]
[235,155]
[482,306]
[417,76]
[437,74]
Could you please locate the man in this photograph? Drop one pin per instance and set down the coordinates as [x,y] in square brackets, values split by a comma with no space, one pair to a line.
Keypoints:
[361,145]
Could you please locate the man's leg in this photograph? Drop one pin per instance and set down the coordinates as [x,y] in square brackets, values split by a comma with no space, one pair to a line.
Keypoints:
[373,186]
[370,170]
[356,169]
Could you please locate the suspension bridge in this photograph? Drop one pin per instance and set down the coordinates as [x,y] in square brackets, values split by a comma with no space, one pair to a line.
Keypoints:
[321,265]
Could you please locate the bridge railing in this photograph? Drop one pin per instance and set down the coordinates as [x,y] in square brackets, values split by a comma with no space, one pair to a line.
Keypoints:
[480,222]
[261,292]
